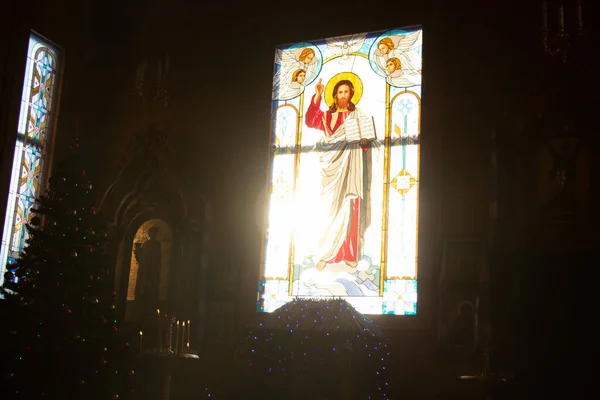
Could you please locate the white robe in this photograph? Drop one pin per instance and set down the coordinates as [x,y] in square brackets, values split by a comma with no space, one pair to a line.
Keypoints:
[342,166]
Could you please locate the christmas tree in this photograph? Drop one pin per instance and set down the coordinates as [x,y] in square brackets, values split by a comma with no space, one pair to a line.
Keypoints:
[59,337]
[315,349]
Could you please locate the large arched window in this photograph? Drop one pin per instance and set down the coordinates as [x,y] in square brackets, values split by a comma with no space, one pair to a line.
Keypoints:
[37,117]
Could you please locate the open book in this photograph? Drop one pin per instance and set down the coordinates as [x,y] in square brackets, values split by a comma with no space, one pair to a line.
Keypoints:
[360,128]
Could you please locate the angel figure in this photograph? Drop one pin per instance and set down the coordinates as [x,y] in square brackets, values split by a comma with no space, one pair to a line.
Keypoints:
[400,49]
[296,67]
[397,77]
[295,87]
[346,44]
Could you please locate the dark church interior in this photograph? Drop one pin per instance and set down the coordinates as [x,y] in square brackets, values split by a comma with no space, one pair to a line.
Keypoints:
[507,227]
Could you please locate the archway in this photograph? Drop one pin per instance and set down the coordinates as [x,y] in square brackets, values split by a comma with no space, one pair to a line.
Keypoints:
[165,237]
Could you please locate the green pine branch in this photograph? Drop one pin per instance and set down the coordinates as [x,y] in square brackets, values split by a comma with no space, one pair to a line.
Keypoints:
[61,331]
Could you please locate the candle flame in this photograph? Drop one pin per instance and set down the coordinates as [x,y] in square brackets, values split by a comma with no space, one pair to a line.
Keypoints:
[177,322]
[158,311]
[188,321]
[141,333]
[183,323]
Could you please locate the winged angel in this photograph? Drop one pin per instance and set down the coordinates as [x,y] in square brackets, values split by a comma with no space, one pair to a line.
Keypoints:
[397,59]
[298,67]
[345,45]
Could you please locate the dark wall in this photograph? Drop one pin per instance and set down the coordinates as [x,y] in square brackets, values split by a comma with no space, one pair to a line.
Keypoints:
[221,62]
[480,59]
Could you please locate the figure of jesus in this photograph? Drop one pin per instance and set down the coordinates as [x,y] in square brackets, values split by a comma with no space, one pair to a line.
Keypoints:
[345,177]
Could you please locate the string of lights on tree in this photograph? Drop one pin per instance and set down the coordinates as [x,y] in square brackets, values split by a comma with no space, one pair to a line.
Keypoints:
[61,338]
[316,349]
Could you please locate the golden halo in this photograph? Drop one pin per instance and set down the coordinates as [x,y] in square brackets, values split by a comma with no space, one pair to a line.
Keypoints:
[350,76]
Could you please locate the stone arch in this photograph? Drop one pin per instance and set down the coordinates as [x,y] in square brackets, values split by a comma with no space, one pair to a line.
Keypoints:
[150,187]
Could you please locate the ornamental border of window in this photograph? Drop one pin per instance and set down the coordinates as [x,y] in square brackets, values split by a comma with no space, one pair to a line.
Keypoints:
[34,142]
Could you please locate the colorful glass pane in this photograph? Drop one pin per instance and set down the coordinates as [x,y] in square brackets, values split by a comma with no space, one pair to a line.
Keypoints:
[281,206]
[272,294]
[42,91]
[31,170]
[342,216]
[404,191]
[285,126]
[35,122]
[400,297]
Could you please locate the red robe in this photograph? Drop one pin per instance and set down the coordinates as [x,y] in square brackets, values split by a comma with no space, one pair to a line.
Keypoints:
[317,119]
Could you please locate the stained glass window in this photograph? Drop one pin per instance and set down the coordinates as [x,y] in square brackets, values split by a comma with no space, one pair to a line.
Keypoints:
[34,136]
[342,210]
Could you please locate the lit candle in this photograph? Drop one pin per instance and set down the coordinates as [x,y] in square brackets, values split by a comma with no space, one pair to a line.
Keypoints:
[159,327]
[141,341]
[561,17]
[182,336]
[177,338]
[579,15]
[545,15]
[189,334]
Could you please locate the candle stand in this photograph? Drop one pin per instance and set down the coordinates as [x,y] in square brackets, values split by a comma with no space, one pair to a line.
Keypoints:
[165,356]
[160,368]
[488,378]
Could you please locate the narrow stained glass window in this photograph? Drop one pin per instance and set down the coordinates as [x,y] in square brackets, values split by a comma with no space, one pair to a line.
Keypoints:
[34,135]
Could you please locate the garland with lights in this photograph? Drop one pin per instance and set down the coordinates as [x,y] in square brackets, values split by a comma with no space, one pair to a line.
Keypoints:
[60,338]
[317,349]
